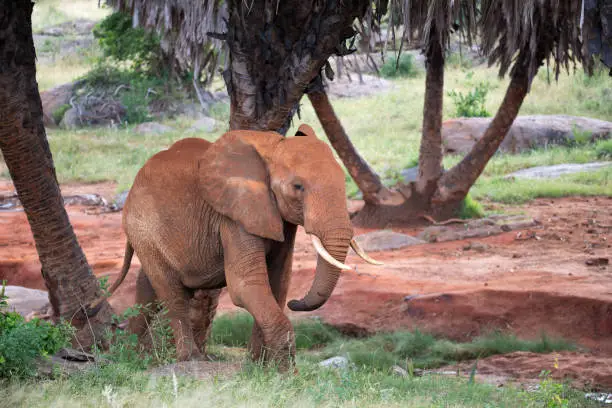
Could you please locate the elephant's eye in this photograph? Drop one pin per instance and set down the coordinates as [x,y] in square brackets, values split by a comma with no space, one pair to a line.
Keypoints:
[298,187]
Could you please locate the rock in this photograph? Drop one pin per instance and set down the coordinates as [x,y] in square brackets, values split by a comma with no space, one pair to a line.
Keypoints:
[411,174]
[152,128]
[601,261]
[66,361]
[71,119]
[338,362]
[91,200]
[54,99]
[24,300]
[527,132]
[343,87]
[119,200]
[557,170]
[601,397]
[476,246]
[385,240]
[476,228]
[399,371]
[205,124]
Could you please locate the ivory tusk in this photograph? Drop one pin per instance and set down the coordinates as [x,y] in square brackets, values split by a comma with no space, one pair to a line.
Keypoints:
[316,242]
[359,251]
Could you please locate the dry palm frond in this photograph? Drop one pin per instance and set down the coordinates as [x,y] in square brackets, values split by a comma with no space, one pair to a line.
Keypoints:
[541,30]
[183,26]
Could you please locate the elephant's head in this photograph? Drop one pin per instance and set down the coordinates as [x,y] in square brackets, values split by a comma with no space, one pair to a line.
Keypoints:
[260,179]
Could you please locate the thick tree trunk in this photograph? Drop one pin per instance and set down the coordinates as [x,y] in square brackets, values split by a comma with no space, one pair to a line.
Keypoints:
[456,183]
[276,50]
[430,155]
[24,145]
[366,178]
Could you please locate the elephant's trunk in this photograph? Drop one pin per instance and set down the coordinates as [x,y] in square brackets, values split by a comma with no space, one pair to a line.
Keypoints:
[336,243]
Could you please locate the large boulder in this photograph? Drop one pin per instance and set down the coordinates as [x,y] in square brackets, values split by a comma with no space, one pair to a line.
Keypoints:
[71,119]
[385,240]
[55,99]
[24,300]
[527,132]
[557,170]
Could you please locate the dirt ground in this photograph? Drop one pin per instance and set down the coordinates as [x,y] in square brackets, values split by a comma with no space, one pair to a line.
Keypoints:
[551,279]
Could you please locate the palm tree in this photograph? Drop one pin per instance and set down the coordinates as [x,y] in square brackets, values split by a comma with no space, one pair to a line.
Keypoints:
[276,50]
[26,152]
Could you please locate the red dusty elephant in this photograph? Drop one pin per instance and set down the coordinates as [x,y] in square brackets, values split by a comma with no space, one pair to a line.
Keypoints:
[202,216]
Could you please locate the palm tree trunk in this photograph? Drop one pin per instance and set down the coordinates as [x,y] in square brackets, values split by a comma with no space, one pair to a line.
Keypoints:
[24,145]
[274,55]
[430,155]
[455,184]
[366,178]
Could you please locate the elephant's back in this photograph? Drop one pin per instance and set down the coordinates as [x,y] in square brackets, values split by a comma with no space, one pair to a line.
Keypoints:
[166,182]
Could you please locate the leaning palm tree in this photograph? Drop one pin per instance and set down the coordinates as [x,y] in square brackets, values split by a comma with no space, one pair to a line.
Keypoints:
[518,36]
[26,152]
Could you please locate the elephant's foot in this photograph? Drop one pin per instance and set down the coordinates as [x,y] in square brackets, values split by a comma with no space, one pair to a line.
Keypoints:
[193,355]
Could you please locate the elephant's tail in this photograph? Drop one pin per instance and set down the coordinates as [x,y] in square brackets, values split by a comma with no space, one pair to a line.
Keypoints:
[127,261]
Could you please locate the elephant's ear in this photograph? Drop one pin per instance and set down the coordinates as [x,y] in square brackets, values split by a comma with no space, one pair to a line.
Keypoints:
[305,130]
[235,182]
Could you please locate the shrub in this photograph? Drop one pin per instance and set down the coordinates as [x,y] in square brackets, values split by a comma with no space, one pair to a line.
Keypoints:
[470,208]
[22,343]
[120,41]
[473,103]
[58,114]
[603,149]
[405,67]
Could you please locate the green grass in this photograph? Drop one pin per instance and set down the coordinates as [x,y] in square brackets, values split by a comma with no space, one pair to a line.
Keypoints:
[49,13]
[383,350]
[122,381]
[116,387]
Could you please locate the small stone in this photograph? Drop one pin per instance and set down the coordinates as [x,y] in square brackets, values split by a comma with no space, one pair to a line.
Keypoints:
[152,128]
[337,362]
[476,246]
[399,371]
[205,124]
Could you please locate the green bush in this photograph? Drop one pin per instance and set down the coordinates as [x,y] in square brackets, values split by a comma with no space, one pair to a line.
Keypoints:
[470,208]
[406,67]
[58,114]
[120,41]
[471,104]
[136,94]
[22,343]
[603,149]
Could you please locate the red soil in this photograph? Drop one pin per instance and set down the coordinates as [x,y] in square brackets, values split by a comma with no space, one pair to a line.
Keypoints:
[521,283]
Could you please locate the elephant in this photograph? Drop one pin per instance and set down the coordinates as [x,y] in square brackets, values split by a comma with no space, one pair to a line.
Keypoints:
[201,216]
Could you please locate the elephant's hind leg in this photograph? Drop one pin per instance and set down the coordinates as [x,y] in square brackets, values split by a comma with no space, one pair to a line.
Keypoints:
[147,300]
[175,298]
[202,310]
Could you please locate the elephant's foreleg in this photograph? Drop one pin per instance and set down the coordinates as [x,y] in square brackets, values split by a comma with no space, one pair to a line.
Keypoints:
[279,261]
[249,287]
[202,310]
[175,297]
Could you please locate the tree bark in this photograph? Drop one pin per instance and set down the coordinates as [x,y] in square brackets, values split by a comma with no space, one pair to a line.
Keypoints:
[430,154]
[456,183]
[366,178]
[24,145]
[276,50]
